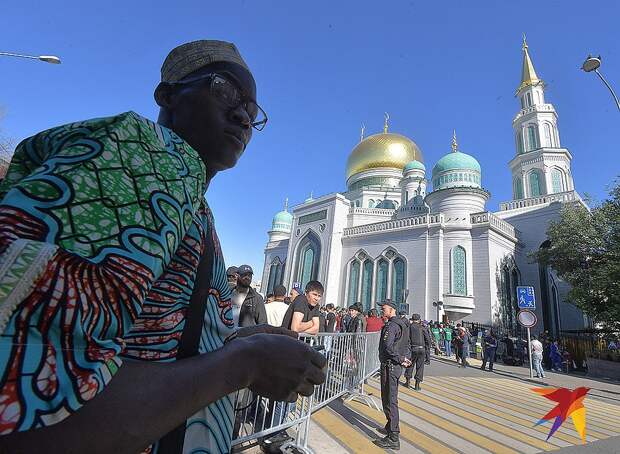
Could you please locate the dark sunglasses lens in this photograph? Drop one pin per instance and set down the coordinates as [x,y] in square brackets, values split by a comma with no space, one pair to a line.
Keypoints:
[226,91]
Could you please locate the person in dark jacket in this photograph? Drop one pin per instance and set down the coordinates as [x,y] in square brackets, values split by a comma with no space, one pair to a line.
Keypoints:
[427,350]
[420,341]
[394,354]
[248,306]
[490,347]
[357,322]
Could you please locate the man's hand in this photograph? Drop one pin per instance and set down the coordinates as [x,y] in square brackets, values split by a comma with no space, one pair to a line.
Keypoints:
[406,363]
[280,367]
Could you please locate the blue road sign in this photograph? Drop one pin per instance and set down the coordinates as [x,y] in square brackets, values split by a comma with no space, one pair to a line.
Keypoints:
[525,297]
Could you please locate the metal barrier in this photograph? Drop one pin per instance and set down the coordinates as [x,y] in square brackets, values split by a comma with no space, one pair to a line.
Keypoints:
[351,359]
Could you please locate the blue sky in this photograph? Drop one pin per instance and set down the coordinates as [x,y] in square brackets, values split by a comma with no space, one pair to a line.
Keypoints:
[322,69]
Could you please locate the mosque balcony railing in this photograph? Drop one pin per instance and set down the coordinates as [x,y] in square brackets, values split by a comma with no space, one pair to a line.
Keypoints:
[568,196]
[400,224]
[372,211]
[535,108]
[494,222]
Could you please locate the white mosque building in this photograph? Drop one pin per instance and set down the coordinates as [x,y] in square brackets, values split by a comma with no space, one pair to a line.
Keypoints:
[390,236]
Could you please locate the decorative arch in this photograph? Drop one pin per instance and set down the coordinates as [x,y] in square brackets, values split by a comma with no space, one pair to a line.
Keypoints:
[371,203]
[308,258]
[535,183]
[517,188]
[276,274]
[459,270]
[557,180]
[532,138]
[399,279]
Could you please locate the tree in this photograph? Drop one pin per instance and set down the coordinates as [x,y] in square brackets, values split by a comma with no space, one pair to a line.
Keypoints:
[585,252]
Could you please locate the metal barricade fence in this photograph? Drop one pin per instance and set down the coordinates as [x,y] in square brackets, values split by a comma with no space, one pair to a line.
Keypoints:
[351,359]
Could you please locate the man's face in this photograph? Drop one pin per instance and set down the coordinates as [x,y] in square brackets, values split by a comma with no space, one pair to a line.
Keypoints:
[244,279]
[353,313]
[232,280]
[216,131]
[387,311]
[313,297]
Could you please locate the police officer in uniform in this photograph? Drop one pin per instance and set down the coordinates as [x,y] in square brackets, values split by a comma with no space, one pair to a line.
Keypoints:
[420,342]
[394,355]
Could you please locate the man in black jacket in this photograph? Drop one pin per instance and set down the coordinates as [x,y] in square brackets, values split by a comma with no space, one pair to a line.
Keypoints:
[420,341]
[393,354]
[248,306]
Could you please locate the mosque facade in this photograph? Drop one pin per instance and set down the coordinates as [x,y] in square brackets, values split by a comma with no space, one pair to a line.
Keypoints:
[429,242]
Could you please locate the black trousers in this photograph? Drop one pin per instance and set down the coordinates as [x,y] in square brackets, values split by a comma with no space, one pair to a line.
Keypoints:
[390,373]
[417,360]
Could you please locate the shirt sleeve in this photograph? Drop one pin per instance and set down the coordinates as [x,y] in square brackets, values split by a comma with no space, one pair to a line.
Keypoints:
[89,218]
[391,335]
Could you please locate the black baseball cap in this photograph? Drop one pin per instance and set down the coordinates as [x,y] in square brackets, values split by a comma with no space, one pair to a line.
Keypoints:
[231,270]
[244,269]
[415,317]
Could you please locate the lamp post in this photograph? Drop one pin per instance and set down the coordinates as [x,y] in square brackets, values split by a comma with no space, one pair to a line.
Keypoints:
[593,64]
[45,58]
[438,305]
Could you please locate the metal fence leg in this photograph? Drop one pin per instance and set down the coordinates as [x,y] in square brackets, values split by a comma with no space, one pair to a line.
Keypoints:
[359,394]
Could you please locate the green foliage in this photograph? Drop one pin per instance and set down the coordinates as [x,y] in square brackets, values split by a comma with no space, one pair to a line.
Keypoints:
[585,252]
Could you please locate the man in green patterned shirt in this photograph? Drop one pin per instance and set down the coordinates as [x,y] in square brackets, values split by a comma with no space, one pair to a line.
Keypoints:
[116,332]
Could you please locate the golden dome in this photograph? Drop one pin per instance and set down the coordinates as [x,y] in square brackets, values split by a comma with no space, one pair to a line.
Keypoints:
[382,150]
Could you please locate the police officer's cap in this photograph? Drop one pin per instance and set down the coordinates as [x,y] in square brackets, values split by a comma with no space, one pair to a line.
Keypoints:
[390,303]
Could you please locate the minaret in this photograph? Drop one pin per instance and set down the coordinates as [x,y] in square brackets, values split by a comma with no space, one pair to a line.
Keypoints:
[541,166]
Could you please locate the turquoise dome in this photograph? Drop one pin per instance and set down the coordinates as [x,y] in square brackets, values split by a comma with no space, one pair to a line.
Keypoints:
[414,165]
[283,217]
[282,221]
[456,161]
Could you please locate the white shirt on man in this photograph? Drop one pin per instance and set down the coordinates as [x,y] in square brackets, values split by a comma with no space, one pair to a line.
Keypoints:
[275,312]
[537,347]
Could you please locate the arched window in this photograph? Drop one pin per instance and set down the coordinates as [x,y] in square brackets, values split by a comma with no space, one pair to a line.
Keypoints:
[548,139]
[459,271]
[382,280]
[557,184]
[535,188]
[517,188]
[371,203]
[367,270]
[276,271]
[354,279]
[308,259]
[532,138]
[398,280]
[520,142]
[528,97]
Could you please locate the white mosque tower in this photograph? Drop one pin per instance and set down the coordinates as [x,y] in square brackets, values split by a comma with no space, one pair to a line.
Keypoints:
[388,236]
[541,166]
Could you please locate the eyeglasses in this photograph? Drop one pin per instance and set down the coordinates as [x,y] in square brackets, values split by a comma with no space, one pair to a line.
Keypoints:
[227,92]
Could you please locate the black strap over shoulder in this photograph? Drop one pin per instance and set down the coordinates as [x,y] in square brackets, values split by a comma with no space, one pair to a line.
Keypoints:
[172,442]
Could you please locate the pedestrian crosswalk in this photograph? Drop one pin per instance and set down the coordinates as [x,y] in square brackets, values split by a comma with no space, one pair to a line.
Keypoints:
[462,415]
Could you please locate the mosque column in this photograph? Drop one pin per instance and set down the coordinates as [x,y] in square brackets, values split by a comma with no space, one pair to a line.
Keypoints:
[373,292]
[389,282]
[526,188]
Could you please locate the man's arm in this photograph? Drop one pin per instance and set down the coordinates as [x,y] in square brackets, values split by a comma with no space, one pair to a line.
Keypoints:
[261,313]
[298,325]
[390,340]
[173,392]
[314,329]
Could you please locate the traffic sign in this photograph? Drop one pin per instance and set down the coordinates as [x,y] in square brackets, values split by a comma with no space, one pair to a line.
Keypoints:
[525,297]
[527,318]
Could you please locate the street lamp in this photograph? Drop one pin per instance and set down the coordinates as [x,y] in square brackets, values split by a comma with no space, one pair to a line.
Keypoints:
[438,305]
[46,58]
[593,64]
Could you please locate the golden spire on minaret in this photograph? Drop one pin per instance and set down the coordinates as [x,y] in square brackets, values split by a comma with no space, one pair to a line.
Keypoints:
[528,73]
[385,123]
[455,146]
[362,133]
